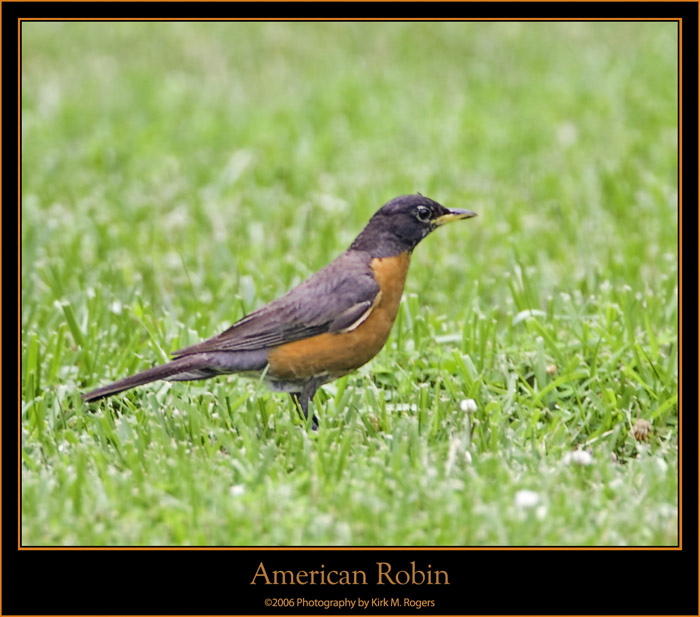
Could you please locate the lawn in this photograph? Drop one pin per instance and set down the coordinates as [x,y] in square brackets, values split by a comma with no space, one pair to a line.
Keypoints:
[175,176]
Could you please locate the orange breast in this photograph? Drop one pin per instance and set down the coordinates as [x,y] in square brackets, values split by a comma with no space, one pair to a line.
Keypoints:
[340,353]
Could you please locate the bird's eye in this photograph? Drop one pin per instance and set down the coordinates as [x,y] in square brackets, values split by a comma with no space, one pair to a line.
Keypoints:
[423,214]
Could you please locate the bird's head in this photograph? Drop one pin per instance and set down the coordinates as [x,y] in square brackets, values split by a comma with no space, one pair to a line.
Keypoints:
[400,224]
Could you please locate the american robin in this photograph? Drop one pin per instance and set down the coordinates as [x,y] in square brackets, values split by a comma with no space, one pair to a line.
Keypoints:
[326,327]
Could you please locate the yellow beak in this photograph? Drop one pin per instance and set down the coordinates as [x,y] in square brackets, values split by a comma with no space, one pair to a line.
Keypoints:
[453,215]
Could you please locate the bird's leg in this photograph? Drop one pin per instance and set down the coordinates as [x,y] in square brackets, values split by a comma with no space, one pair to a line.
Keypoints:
[301,399]
[297,403]
[302,404]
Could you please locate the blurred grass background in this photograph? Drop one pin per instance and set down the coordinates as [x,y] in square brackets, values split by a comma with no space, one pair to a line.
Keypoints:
[178,175]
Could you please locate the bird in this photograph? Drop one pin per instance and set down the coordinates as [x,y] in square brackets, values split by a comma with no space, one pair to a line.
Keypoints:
[324,328]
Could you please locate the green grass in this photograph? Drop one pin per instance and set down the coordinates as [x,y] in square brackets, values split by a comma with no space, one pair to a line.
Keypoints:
[176,176]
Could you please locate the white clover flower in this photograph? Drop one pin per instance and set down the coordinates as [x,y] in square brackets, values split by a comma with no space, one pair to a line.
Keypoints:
[579,457]
[468,405]
[526,499]
[237,490]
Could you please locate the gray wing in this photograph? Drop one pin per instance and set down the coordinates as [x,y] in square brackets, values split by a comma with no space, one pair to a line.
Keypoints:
[332,300]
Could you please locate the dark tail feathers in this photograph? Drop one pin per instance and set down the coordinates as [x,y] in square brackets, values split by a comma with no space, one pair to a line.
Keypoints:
[164,371]
[187,368]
